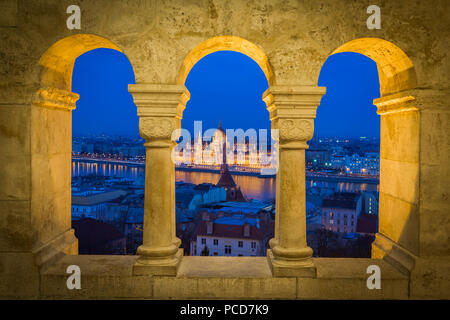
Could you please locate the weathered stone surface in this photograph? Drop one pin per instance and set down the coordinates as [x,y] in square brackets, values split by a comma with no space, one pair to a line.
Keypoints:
[399,222]
[430,279]
[101,277]
[399,140]
[15,129]
[224,288]
[402,180]
[346,279]
[236,278]
[290,40]
[19,278]
[15,176]
[15,224]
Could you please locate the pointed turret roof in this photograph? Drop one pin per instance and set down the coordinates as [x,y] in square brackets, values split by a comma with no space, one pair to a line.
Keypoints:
[226,180]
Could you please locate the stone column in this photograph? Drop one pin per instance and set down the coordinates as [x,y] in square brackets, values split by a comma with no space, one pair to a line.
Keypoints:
[159,110]
[292,111]
[414,227]
[398,217]
[51,163]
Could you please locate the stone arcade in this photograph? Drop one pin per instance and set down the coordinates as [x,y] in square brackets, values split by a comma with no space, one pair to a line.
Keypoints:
[290,41]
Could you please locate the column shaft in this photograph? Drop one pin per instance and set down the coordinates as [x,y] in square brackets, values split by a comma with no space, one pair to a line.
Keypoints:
[292,111]
[158,220]
[291,201]
[159,110]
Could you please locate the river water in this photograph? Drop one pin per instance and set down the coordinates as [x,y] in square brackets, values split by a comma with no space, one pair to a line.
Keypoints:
[253,187]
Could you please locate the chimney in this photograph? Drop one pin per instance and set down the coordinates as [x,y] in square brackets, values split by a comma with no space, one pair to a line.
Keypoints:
[209,227]
[246,230]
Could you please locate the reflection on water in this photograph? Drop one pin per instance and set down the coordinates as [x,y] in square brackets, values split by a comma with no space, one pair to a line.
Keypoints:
[80,168]
[344,186]
[253,187]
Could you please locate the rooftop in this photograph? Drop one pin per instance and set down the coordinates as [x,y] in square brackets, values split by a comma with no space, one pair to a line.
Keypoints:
[235,231]
[98,198]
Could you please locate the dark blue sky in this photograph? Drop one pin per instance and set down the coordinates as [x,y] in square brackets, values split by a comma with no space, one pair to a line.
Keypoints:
[347,108]
[224,86]
[101,78]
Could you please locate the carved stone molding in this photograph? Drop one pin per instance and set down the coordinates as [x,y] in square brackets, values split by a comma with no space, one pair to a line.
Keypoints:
[293,101]
[160,109]
[396,103]
[53,98]
[159,100]
[295,129]
[156,128]
[423,100]
[292,111]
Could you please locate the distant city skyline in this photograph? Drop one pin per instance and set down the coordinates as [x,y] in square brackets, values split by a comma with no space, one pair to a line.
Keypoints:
[225,86]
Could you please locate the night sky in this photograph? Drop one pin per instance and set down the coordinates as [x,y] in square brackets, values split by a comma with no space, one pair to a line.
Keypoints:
[224,86]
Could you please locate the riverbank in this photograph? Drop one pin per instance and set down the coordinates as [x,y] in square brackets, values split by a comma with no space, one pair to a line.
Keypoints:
[309,176]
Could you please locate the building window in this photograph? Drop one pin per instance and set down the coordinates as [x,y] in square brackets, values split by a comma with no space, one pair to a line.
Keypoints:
[240,244]
[253,245]
[203,241]
[216,242]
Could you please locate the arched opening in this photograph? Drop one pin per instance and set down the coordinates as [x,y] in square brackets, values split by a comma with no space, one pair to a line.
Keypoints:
[226,78]
[395,70]
[399,141]
[58,61]
[107,156]
[234,217]
[52,144]
[342,162]
[226,43]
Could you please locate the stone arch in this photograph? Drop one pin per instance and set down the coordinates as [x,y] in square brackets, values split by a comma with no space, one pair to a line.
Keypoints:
[397,238]
[395,70]
[58,61]
[226,43]
[51,149]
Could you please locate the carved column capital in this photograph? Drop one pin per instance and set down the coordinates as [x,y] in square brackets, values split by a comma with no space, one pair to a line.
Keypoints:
[156,128]
[53,98]
[292,110]
[295,130]
[160,108]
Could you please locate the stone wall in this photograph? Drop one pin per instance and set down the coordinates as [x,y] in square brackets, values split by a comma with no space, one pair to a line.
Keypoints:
[297,36]
[289,39]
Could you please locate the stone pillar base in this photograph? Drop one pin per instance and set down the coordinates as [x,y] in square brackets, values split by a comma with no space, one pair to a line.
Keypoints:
[291,268]
[158,267]
[64,244]
[429,277]
[394,254]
